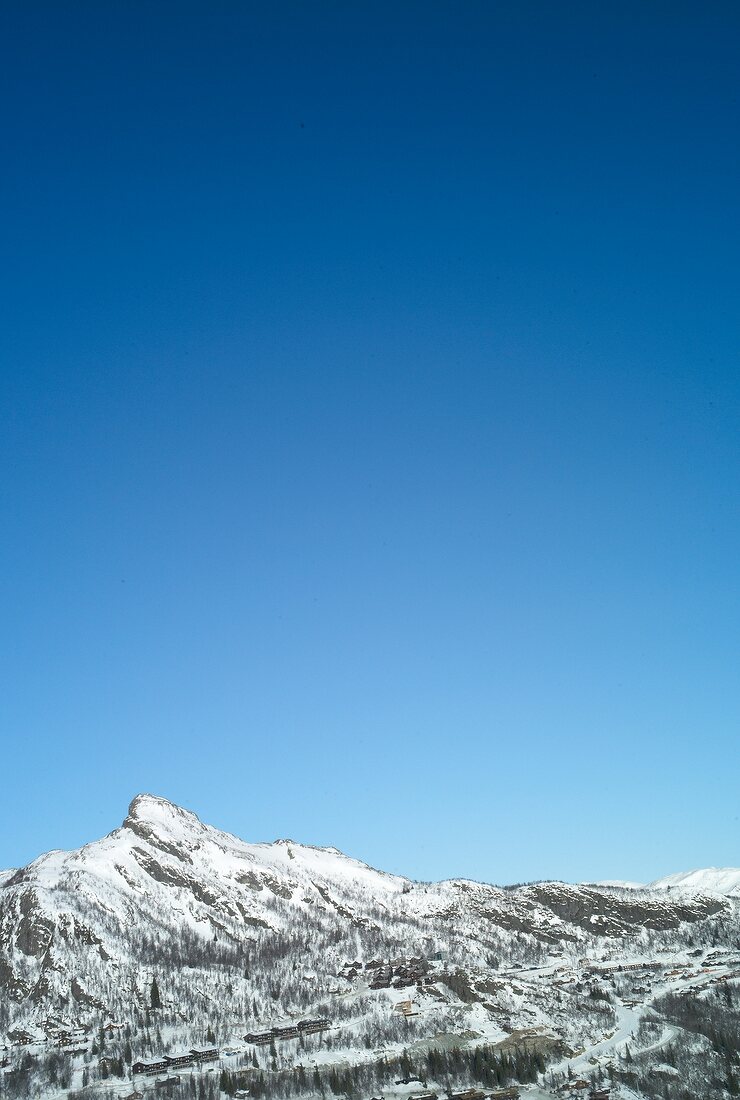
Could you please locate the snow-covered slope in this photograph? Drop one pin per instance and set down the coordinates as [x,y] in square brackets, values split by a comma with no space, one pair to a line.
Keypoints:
[713,880]
[619,883]
[237,934]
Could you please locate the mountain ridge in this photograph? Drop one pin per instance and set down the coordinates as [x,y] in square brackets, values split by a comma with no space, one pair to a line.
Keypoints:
[148,809]
[237,933]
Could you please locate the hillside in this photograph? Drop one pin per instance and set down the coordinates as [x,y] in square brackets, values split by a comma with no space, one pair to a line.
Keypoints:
[710,880]
[237,937]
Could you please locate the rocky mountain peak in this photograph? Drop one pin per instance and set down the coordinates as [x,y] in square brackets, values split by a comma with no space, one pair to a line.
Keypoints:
[159,814]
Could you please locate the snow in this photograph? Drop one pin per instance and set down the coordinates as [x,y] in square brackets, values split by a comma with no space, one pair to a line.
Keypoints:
[667,1035]
[627,1021]
[226,852]
[617,883]
[165,873]
[713,880]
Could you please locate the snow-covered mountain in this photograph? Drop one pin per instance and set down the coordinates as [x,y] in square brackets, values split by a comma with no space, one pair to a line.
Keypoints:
[705,880]
[236,935]
[712,880]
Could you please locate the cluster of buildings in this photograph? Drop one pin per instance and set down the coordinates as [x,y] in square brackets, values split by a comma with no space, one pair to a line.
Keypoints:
[49,1032]
[167,1062]
[470,1094]
[289,1031]
[72,1038]
[510,1093]
[619,968]
[699,987]
[384,975]
[398,973]
[579,1087]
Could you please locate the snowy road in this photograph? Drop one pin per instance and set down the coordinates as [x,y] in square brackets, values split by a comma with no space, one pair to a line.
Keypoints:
[627,1020]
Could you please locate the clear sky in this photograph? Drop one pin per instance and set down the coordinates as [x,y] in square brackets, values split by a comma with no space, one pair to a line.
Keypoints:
[369,452]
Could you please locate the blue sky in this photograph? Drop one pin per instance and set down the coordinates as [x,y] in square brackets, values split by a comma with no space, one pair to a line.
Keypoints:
[369,436]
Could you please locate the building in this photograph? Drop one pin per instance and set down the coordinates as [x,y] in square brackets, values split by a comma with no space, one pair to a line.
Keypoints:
[290,1032]
[259,1038]
[149,1065]
[179,1058]
[204,1054]
[20,1037]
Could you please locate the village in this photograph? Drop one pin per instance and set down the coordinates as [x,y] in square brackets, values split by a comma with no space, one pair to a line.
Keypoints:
[636,981]
[395,974]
